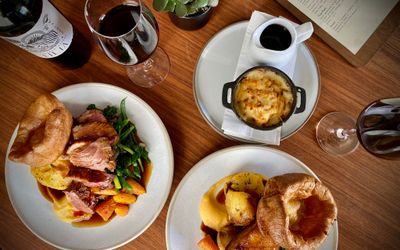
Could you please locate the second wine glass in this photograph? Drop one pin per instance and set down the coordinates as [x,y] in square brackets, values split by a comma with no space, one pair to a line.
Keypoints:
[377,129]
[127,32]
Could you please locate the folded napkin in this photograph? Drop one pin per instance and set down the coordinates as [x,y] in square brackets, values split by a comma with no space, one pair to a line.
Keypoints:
[231,125]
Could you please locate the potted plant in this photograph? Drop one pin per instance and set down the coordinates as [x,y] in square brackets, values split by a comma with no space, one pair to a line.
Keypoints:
[187,14]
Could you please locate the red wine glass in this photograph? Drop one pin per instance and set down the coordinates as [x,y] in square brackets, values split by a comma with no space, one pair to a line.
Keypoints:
[377,129]
[127,32]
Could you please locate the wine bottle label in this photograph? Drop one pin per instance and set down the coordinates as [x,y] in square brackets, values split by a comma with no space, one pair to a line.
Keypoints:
[49,37]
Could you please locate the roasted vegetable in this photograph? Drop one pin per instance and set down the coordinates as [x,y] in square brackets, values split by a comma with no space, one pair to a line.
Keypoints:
[207,243]
[99,191]
[53,175]
[124,198]
[137,189]
[248,182]
[241,208]
[121,209]
[106,208]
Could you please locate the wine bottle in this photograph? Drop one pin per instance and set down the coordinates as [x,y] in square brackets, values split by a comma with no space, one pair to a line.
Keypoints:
[39,28]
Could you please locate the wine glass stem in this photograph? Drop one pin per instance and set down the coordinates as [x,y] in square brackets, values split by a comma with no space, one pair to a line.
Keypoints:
[343,134]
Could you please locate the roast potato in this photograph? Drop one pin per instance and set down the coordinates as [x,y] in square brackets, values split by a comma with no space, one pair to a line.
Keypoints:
[212,211]
[53,175]
[241,207]
[248,182]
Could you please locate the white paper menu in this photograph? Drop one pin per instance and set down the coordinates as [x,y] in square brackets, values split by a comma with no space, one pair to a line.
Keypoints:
[350,22]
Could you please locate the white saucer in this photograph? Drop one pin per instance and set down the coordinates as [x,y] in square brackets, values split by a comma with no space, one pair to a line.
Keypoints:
[216,66]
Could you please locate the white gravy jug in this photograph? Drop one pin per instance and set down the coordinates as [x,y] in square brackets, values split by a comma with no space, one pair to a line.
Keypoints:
[273,57]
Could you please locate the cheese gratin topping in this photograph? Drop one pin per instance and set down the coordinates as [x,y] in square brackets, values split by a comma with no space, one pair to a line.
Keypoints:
[263,98]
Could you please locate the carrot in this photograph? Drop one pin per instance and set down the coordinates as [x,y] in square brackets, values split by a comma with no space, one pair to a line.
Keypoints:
[137,189]
[121,209]
[207,243]
[124,198]
[97,190]
[106,208]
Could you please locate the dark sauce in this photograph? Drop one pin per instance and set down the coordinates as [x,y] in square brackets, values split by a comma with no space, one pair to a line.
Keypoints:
[275,37]
[49,193]
[94,221]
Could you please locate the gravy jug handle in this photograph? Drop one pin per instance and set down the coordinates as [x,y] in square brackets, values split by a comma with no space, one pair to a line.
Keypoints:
[304,32]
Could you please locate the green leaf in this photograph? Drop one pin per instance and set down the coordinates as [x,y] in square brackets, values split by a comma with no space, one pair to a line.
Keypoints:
[122,109]
[170,6]
[117,184]
[180,9]
[192,10]
[109,112]
[141,165]
[125,184]
[91,106]
[199,4]
[159,5]
[127,132]
[183,1]
[127,149]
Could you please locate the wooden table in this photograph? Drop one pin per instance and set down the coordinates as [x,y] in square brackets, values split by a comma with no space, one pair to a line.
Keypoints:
[366,188]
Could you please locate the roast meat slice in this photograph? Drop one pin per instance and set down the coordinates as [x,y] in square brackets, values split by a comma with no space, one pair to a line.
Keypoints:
[92,115]
[94,130]
[97,155]
[81,198]
[91,178]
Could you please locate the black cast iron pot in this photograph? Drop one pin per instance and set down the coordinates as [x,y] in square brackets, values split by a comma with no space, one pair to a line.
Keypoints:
[233,86]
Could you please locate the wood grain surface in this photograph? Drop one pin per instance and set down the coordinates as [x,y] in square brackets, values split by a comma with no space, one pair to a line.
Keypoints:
[366,188]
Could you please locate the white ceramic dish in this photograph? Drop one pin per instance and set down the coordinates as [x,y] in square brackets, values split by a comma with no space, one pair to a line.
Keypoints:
[216,66]
[36,212]
[183,219]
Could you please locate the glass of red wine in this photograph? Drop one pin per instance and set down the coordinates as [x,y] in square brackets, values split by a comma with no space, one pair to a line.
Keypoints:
[377,129]
[127,32]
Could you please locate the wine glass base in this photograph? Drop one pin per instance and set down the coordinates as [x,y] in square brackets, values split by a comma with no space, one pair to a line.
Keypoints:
[336,133]
[152,71]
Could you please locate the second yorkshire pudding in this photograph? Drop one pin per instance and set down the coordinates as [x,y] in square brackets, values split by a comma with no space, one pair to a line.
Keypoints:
[43,132]
[296,211]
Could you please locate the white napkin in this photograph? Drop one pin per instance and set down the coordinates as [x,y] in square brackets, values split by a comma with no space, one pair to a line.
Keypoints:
[231,125]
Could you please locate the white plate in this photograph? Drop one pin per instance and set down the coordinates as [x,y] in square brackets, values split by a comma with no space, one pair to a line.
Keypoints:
[36,212]
[216,66]
[183,219]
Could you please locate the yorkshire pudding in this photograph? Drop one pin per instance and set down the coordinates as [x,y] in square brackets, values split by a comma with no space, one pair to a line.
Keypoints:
[43,132]
[296,211]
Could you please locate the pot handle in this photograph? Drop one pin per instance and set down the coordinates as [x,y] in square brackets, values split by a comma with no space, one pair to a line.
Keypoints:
[225,89]
[302,106]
